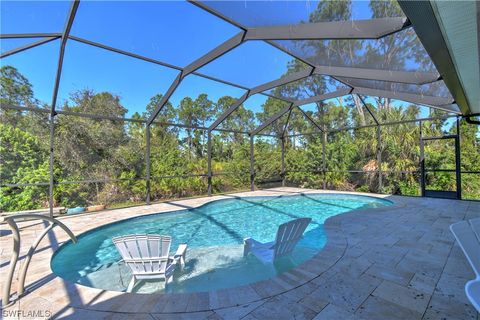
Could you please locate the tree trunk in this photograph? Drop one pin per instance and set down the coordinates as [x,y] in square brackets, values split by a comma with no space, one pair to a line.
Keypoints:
[359,106]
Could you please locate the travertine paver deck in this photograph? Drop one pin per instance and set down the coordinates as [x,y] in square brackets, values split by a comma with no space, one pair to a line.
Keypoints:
[398,262]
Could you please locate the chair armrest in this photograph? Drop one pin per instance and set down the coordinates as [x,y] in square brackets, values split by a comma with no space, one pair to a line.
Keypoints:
[181,253]
[181,250]
[251,242]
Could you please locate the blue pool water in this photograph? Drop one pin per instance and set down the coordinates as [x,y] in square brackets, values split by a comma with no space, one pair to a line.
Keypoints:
[214,233]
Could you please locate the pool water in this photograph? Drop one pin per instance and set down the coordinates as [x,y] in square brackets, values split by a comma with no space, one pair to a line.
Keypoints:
[214,233]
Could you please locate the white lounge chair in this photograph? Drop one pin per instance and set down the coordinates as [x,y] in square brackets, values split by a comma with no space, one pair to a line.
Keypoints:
[467,234]
[147,255]
[288,235]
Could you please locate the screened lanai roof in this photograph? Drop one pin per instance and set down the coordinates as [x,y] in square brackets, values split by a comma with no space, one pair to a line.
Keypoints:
[322,49]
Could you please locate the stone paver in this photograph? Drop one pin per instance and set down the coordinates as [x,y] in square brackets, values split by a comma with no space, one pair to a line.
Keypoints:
[399,262]
[402,296]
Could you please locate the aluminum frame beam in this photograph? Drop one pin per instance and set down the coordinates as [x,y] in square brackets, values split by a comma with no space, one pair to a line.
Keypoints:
[65,34]
[408,97]
[289,78]
[29,35]
[27,46]
[229,111]
[269,121]
[216,13]
[326,96]
[215,53]
[355,82]
[113,118]
[358,29]
[392,123]
[165,98]
[310,119]
[448,108]
[285,127]
[368,109]
[408,77]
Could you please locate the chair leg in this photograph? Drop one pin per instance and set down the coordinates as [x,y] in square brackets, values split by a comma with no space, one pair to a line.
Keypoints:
[182,261]
[131,284]
[246,246]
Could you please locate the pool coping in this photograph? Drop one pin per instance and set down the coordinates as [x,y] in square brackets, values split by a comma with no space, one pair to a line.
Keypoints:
[306,272]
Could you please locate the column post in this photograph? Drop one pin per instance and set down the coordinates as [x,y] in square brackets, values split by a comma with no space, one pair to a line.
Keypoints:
[252,162]
[209,162]
[379,158]
[283,160]
[147,163]
[52,162]
[324,164]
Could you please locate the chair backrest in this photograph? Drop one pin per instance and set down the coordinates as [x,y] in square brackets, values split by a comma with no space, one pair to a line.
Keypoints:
[144,253]
[467,234]
[288,235]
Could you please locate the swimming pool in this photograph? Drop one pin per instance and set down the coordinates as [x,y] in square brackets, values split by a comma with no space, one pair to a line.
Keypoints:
[214,233]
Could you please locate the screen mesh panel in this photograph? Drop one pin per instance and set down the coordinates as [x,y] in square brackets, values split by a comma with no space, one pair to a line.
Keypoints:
[10,44]
[34,68]
[199,101]
[435,89]
[155,29]
[33,16]
[401,51]
[272,13]
[251,64]
[88,69]
[109,74]
[388,110]
[24,137]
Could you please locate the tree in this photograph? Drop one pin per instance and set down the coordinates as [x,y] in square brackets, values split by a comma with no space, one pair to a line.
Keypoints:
[166,115]
[241,119]
[15,89]
[23,161]
[187,115]
[114,150]
[85,147]
[269,109]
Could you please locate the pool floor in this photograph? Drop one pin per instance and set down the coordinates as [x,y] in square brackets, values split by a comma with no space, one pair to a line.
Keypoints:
[214,233]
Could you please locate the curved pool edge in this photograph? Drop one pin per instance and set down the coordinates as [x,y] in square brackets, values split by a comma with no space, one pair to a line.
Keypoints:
[308,271]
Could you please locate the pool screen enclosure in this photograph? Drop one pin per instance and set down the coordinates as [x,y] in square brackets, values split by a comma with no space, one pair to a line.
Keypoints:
[336,58]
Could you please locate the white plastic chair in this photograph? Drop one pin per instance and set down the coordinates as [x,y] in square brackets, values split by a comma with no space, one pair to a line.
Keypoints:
[288,235]
[467,234]
[147,255]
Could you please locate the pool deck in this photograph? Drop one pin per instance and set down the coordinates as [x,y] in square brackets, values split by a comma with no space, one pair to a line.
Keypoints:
[398,262]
